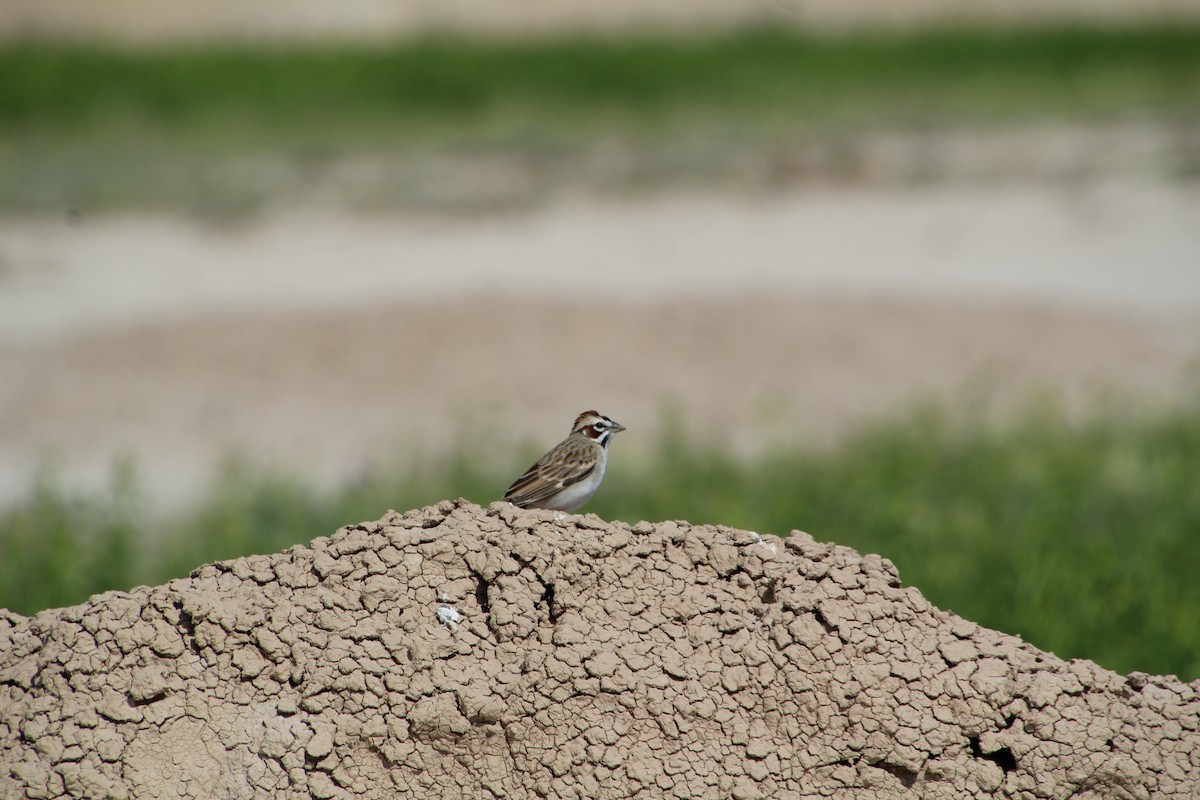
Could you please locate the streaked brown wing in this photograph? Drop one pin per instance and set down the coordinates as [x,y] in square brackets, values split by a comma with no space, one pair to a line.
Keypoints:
[566,464]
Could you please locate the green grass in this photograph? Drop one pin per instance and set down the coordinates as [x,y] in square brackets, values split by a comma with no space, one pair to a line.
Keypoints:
[121,128]
[463,88]
[1083,537]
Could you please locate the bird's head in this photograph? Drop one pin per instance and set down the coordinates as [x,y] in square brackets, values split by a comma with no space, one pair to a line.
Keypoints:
[597,427]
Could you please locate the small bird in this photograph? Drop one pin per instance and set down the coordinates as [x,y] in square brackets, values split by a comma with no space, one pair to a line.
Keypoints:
[568,476]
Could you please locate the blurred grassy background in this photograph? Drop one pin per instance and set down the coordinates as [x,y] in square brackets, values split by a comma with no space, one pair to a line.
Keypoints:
[236,126]
[1078,535]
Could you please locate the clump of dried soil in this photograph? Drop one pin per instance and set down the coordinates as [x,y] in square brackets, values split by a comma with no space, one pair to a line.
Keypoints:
[458,651]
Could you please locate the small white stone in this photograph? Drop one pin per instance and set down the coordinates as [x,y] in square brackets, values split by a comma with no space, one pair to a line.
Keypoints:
[770,544]
[448,615]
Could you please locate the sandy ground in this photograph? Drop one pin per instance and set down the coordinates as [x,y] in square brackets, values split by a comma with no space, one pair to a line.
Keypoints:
[528,655]
[322,343]
[135,21]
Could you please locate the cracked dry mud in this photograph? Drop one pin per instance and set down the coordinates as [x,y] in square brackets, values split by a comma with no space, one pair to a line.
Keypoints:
[591,659]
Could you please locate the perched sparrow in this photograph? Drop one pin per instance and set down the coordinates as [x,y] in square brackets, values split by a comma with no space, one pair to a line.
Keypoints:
[568,476]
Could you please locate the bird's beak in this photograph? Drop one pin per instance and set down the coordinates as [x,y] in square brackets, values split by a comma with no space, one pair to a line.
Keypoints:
[617,427]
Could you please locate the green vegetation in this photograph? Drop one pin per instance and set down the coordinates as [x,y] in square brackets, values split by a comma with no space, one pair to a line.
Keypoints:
[465,89]
[231,124]
[1083,537]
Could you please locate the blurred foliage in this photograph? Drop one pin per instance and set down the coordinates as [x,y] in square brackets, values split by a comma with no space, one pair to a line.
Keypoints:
[1081,536]
[457,86]
[234,125]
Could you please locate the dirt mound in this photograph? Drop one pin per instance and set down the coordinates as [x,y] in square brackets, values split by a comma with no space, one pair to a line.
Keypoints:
[458,651]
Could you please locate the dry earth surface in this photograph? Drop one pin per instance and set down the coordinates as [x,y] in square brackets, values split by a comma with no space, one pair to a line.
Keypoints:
[458,651]
[322,343]
[139,22]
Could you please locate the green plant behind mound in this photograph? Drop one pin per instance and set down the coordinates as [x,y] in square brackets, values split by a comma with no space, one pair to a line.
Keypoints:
[1082,537]
[445,84]
[232,127]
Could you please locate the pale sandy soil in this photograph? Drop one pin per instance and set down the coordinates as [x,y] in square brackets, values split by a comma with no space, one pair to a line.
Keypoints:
[321,342]
[135,21]
[702,661]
